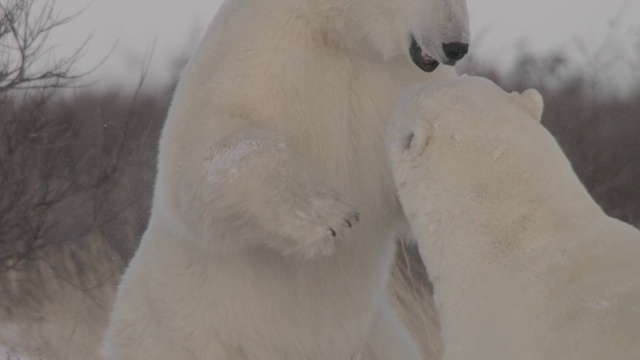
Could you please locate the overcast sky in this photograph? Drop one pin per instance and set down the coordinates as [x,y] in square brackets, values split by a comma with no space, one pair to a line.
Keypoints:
[498,28]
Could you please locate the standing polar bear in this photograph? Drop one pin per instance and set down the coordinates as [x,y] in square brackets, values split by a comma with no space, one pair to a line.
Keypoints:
[274,211]
[524,264]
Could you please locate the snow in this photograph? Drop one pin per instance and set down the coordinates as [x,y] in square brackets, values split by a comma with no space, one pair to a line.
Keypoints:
[227,159]
[12,333]
[7,353]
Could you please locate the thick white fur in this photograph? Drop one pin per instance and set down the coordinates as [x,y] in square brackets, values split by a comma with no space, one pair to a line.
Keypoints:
[272,151]
[524,264]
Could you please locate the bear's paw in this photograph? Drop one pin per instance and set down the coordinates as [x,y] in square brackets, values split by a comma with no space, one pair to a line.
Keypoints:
[316,219]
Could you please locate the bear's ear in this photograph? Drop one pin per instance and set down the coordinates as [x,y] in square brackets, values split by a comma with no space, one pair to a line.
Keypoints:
[416,139]
[531,101]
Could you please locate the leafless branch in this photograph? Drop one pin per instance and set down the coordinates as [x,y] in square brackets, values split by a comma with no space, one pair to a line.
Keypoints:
[26,61]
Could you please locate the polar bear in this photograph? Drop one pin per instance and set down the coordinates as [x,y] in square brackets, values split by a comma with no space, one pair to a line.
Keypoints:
[274,210]
[524,264]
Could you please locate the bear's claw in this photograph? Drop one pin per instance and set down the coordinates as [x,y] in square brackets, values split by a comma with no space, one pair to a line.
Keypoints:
[352,218]
[333,232]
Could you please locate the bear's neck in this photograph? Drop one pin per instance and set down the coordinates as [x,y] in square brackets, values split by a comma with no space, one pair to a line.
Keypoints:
[486,237]
[492,219]
[491,260]
[490,268]
[294,75]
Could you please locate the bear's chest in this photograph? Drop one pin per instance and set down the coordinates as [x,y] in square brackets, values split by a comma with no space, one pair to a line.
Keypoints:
[335,118]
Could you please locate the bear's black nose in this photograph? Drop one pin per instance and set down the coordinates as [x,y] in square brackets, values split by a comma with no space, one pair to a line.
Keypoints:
[455,51]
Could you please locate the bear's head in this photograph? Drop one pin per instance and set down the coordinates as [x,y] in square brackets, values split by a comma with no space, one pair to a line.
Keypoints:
[430,32]
[465,142]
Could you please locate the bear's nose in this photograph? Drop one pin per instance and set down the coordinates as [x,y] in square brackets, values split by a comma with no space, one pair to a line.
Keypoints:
[455,50]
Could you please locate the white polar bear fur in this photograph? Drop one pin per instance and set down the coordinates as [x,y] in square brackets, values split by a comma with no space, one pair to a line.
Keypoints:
[524,264]
[272,151]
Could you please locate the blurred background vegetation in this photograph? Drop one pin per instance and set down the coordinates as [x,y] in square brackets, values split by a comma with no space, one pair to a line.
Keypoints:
[77,170]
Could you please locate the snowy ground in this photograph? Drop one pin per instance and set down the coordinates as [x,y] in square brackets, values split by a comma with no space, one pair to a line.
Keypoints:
[9,334]
[14,354]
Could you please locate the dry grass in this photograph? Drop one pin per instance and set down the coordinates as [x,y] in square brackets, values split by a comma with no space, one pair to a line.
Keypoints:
[412,295]
[59,307]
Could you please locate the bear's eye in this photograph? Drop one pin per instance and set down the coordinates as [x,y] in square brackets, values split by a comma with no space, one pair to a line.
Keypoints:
[408,143]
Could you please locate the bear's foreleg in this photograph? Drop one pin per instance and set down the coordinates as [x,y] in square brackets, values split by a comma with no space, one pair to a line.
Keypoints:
[254,191]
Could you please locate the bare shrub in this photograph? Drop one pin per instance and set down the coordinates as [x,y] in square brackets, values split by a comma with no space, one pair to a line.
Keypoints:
[24,30]
[32,180]
[105,169]
[52,254]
